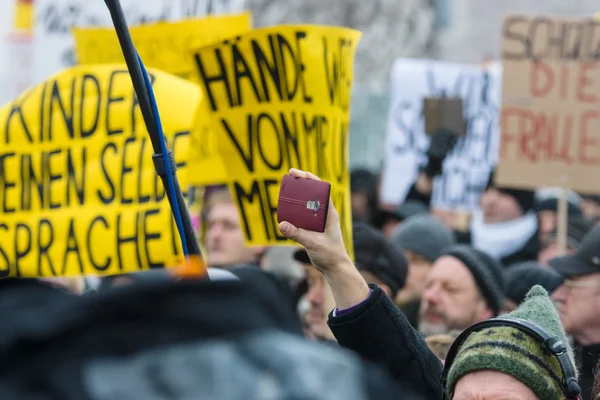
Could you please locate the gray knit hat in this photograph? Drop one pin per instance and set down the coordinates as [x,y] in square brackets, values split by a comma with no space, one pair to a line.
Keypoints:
[424,235]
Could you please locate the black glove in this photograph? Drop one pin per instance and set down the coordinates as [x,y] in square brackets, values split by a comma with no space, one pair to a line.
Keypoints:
[442,142]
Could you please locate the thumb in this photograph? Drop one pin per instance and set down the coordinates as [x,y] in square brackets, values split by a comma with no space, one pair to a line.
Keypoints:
[292,232]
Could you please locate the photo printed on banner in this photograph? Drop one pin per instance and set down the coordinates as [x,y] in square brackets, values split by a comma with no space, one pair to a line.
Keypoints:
[466,169]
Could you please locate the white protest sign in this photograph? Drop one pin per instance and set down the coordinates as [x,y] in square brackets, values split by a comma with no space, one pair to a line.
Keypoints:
[466,169]
[54,45]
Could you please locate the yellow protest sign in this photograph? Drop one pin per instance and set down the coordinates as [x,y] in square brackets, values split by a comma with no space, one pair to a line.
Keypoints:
[279,97]
[163,45]
[203,155]
[78,190]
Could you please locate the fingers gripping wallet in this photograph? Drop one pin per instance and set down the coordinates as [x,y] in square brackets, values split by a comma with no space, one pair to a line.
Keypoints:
[304,203]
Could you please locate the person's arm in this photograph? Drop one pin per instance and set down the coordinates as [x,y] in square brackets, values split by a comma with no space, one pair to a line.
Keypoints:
[369,323]
[442,142]
[377,330]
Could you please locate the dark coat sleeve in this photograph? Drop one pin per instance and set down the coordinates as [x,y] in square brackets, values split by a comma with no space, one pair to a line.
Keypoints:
[414,194]
[378,331]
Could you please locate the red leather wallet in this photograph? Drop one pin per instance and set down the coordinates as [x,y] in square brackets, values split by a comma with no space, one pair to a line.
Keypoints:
[304,203]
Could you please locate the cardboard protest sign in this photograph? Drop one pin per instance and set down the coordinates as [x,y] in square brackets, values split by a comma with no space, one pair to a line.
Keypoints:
[466,169]
[164,45]
[550,123]
[279,97]
[78,190]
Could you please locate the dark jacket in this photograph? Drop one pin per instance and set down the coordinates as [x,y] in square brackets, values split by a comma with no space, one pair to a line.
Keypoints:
[191,339]
[587,358]
[378,331]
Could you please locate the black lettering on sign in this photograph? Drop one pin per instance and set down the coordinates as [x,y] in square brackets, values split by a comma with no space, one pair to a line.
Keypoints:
[262,131]
[336,60]
[123,239]
[59,111]
[149,237]
[37,251]
[255,69]
[313,134]
[30,183]
[90,88]
[6,185]
[92,245]
[104,163]
[23,239]
[58,105]
[338,150]
[259,195]
[540,38]
[5,270]
[72,248]
[126,169]
[16,112]
[52,175]
[129,185]
[45,240]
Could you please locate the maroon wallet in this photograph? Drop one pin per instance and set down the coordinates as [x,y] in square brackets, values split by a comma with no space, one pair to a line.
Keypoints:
[304,203]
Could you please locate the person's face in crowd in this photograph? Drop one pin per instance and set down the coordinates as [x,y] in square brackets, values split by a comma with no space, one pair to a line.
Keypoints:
[590,209]
[360,205]
[578,303]
[491,385]
[499,207]
[550,251]
[451,299]
[225,239]
[315,317]
[122,280]
[546,222]
[418,271]
[389,226]
[370,278]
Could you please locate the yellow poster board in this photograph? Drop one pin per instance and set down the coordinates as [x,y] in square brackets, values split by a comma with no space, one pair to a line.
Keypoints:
[203,156]
[279,97]
[163,45]
[78,191]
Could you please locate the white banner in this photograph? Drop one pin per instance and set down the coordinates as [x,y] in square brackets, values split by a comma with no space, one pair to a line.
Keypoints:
[466,169]
[55,18]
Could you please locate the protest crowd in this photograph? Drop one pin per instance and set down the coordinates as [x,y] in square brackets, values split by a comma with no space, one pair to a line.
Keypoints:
[467,267]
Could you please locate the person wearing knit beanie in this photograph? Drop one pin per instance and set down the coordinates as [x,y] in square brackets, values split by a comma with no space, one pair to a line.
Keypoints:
[465,286]
[378,260]
[509,361]
[424,235]
[422,238]
[520,278]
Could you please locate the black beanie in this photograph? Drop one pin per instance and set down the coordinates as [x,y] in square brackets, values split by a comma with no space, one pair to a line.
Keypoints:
[377,255]
[486,271]
[525,198]
[521,277]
